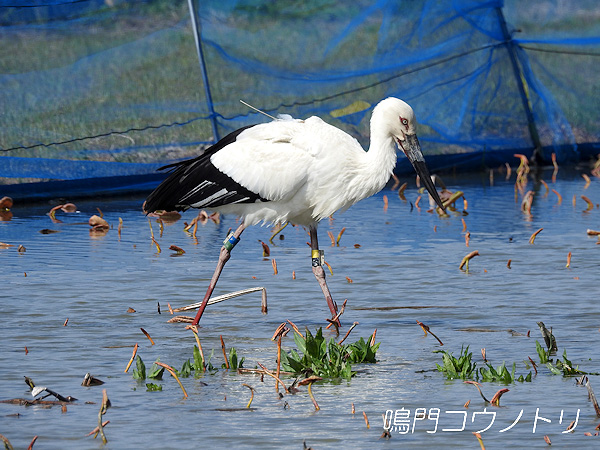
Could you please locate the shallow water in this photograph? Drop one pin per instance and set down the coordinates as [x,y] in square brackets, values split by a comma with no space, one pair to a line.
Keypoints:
[406,265]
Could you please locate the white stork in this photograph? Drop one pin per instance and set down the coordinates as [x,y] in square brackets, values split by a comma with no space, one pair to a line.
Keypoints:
[300,171]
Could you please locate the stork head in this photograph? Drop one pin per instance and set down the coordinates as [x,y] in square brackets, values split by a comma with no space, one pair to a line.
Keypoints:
[398,117]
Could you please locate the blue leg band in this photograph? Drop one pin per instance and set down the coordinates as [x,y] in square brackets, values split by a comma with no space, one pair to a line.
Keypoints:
[230,242]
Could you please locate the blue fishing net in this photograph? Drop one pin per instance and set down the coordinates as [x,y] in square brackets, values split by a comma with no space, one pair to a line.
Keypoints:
[114,88]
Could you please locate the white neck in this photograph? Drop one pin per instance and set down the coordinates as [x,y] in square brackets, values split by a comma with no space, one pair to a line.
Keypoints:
[381,157]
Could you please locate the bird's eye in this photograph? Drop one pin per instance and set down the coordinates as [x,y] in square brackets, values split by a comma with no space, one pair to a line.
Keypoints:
[404,122]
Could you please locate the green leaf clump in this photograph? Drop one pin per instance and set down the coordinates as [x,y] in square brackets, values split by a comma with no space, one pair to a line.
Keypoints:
[326,359]
[139,373]
[234,362]
[463,368]
[457,368]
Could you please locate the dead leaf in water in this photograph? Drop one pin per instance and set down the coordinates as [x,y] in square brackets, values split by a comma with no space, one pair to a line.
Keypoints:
[98,222]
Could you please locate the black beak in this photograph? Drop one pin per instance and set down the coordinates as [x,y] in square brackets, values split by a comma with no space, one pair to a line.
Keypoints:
[412,150]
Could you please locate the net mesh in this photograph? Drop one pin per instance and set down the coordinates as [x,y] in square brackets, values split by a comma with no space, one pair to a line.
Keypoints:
[111,88]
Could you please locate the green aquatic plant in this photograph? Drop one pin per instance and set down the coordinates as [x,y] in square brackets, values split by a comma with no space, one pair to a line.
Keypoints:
[156,371]
[326,359]
[197,365]
[186,369]
[235,363]
[543,354]
[462,368]
[501,374]
[139,373]
[565,367]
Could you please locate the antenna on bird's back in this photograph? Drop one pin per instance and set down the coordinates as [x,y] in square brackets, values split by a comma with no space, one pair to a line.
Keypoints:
[257,110]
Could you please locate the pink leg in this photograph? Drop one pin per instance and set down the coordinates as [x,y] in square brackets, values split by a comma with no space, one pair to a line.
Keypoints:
[320,273]
[223,258]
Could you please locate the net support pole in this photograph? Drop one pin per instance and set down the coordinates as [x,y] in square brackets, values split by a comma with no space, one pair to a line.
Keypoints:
[520,79]
[198,39]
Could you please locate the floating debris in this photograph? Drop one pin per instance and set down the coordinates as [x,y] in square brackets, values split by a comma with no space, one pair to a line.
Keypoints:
[466,259]
[173,374]
[6,203]
[478,436]
[103,408]
[96,430]
[587,180]
[401,191]
[37,390]
[278,230]
[221,298]
[178,250]
[533,236]
[589,203]
[558,195]
[547,188]
[396,181]
[426,329]
[335,320]
[592,397]
[555,172]
[49,231]
[348,332]
[181,319]
[266,371]
[339,236]
[312,397]
[266,250]
[496,398]
[549,338]
[98,223]
[477,385]
[224,353]
[135,347]
[251,394]
[527,202]
[366,420]
[147,335]
[89,380]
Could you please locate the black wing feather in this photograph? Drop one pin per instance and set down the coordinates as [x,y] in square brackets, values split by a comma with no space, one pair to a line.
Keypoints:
[198,182]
